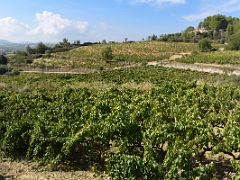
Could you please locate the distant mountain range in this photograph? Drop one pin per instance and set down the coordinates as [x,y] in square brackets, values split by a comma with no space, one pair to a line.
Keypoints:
[5,42]
[7,46]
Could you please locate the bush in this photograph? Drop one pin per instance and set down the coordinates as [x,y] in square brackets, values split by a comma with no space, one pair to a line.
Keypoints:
[205,45]
[234,42]
[107,53]
[3,69]
[3,60]
[41,48]
[12,73]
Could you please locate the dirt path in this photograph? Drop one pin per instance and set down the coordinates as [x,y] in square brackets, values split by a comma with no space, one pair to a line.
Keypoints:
[208,68]
[32,171]
[184,66]
[201,67]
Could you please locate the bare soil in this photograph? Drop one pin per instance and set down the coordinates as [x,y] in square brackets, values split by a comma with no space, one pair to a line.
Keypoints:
[33,171]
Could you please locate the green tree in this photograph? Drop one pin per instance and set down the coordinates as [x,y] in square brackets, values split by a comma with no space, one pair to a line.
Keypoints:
[215,23]
[188,33]
[107,54]
[205,45]
[189,29]
[77,42]
[234,42]
[236,25]
[230,30]
[65,43]
[104,41]
[154,37]
[30,50]
[41,48]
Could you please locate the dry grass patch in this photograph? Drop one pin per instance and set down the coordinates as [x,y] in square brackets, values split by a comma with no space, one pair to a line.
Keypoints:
[93,85]
[3,86]
[145,86]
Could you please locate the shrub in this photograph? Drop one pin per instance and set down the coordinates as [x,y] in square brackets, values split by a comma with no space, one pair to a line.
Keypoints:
[205,45]
[107,53]
[234,42]
[3,69]
[12,73]
[3,60]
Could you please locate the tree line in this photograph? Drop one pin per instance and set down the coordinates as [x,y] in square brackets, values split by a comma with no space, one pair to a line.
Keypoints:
[217,28]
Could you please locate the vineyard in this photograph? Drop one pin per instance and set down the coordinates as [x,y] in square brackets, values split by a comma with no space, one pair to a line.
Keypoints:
[177,127]
[172,131]
[141,122]
[124,54]
[128,77]
[224,57]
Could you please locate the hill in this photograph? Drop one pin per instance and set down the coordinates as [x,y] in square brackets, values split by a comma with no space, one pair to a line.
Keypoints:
[125,54]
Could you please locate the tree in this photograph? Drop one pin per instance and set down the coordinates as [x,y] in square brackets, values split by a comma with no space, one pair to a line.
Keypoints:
[77,43]
[234,42]
[3,60]
[230,30]
[154,37]
[215,23]
[107,54]
[188,33]
[30,50]
[205,45]
[189,29]
[65,43]
[41,48]
[236,25]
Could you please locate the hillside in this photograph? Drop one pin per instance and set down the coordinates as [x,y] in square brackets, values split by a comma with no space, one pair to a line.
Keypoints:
[124,54]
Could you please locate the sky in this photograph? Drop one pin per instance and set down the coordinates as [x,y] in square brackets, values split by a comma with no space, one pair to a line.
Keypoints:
[97,20]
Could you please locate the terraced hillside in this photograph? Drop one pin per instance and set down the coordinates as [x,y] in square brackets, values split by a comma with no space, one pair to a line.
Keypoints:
[124,54]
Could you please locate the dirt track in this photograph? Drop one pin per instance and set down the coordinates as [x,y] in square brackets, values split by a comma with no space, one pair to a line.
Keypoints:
[209,68]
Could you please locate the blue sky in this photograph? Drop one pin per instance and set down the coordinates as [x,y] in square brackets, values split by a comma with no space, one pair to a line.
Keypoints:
[95,20]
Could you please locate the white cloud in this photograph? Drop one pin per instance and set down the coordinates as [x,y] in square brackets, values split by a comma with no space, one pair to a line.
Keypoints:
[11,27]
[49,26]
[53,24]
[211,7]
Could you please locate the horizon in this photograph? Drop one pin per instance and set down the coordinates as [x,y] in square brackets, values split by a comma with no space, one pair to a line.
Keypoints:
[112,20]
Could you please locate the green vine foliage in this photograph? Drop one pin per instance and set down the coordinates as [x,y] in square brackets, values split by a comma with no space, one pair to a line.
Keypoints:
[162,133]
